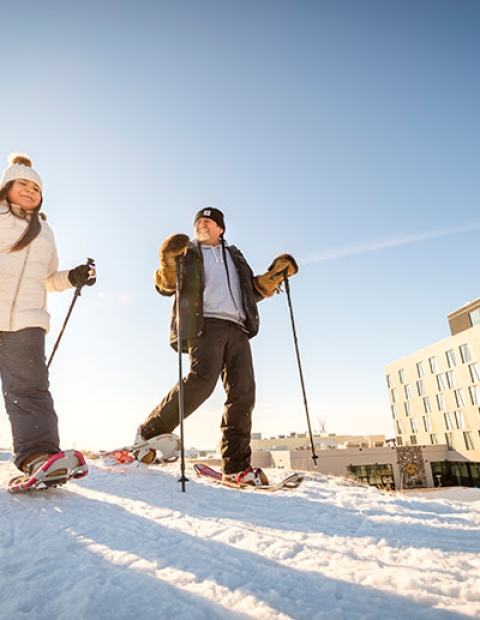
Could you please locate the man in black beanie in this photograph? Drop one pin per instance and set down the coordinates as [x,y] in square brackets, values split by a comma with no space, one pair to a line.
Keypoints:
[218,316]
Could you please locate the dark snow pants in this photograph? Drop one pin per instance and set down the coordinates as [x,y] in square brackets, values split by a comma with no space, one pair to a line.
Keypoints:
[28,401]
[223,349]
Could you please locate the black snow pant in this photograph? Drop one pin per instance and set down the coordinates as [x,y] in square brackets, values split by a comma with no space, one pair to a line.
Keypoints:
[223,349]
[28,401]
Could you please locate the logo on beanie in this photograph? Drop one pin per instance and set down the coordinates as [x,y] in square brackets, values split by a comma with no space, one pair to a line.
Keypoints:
[207,212]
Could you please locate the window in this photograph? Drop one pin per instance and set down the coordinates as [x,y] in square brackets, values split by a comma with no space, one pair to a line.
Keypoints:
[468,439]
[427,424]
[408,411]
[451,358]
[474,394]
[393,394]
[420,370]
[441,402]
[413,425]
[408,391]
[394,412]
[474,317]
[399,426]
[420,388]
[426,405]
[399,441]
[441,382]
[474,372]
[432,362]
[413,440]
[401,375]
[459,397]
[389,381]
[379,475]
[451,379]
[434,439]
[465,353]
[448,421]
[449,441]
[459,419]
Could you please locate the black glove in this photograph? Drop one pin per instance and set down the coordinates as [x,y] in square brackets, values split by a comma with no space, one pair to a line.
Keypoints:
[83,275]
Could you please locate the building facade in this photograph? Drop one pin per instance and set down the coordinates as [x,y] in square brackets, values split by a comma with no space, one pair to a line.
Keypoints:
[435,392]
[368,460]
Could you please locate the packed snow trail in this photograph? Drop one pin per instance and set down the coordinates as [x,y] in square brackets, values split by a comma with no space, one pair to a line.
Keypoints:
[119,545]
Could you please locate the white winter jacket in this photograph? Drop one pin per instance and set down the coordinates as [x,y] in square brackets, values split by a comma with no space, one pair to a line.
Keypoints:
[27,275]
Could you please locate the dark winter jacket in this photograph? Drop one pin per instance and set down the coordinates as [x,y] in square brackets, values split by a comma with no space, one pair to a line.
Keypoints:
[191,296]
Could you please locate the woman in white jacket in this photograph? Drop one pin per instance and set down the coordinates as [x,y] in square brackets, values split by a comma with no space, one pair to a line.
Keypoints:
[28,270]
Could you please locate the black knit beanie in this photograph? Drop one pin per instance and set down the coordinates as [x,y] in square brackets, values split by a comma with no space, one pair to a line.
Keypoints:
[213,214]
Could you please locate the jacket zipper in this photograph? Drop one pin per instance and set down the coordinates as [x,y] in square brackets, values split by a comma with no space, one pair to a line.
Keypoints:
[17,290]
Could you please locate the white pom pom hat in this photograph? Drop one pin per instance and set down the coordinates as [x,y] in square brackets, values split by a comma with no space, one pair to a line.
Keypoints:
[20,171]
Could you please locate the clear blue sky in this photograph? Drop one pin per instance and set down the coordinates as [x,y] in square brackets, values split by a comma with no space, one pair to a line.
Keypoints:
[346,133]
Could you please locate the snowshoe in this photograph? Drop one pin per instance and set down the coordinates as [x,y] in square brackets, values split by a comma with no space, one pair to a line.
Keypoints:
[55,470]
[160,449]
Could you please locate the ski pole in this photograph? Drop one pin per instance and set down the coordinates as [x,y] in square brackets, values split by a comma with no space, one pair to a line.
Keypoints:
[295,340]
[91,265]
[183,478]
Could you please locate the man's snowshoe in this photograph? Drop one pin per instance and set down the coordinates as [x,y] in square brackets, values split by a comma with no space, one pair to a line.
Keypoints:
[249,476]
[160,449]
[291,481]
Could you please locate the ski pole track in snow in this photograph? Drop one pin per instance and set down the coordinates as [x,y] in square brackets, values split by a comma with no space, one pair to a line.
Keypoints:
[325,550]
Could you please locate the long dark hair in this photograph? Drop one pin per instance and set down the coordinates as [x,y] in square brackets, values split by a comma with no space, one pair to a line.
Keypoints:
[34,226]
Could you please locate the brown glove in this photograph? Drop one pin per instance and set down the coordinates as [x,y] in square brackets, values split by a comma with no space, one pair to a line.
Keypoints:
[270,282]
[173,246]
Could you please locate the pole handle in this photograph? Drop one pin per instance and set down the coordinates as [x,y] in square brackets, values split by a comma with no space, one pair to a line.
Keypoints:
[90,263]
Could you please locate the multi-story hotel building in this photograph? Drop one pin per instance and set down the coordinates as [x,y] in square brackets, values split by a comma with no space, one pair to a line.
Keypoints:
[435,392]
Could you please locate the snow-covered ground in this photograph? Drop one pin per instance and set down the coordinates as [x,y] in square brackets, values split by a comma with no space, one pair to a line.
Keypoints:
[131,544]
